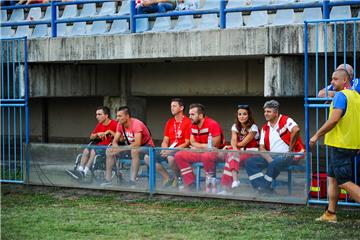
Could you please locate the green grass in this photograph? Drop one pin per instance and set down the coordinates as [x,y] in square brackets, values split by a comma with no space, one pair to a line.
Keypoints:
[66,214]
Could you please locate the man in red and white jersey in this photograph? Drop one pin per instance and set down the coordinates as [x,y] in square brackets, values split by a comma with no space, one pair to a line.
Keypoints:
[279,134]
[202,129]
[176,135]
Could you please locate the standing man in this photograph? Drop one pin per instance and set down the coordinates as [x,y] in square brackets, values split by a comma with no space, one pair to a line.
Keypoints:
[279,134]
[102,135]
[135,134]
[176,135]
[202,129]
[342,134]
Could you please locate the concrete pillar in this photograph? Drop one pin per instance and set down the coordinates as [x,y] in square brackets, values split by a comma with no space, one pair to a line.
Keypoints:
[284,76]
[137,105]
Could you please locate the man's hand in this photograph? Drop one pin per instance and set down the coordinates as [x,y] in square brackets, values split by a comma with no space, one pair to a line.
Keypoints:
[165,153]
[313,140]
[101,135]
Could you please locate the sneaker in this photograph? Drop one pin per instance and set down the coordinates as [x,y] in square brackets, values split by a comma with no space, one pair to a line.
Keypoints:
[235,184]
[106,184]
[224,193]
[77,175]
[168,183]
[327,217]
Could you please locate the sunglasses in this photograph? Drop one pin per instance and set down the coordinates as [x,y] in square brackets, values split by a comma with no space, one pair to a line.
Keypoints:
[243,106]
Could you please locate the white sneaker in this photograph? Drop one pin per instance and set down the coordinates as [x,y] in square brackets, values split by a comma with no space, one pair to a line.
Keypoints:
[224,193]
[235,184]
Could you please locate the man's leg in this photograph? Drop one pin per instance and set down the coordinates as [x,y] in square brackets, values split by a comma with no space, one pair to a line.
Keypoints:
[254,167]
[183,160]
[135,163]
[279,163]
[159,168]
[163,7]
[333,192]
[352,189]
[173,166]
[110,161]
[84,159]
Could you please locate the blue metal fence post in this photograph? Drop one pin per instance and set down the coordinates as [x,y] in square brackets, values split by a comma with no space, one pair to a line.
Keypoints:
[222,14]
[53,19]
[132,19]
[307,132]
[152,177]
[326,9]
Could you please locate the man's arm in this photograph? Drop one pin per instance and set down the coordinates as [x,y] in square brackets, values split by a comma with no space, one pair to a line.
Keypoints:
[185,144]
[294,135]
[137,142]
[116,139]
[328,125]
[322,93]
[266,156]
[165,142]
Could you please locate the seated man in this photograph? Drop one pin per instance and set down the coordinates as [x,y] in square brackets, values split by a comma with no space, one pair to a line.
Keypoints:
[176,135]
[135,134]
[153,6]
[102,135]
[330,88]
[203,129]
[280,134]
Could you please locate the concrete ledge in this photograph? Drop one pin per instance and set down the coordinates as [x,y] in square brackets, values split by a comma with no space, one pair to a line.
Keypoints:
[271,40]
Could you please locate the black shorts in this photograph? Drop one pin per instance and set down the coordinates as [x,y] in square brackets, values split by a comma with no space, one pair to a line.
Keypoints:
[340,164]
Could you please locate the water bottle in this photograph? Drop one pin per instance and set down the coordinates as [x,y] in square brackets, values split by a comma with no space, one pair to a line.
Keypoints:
[210,145]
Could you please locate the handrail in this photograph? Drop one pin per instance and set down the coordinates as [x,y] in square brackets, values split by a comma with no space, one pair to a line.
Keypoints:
[222,10]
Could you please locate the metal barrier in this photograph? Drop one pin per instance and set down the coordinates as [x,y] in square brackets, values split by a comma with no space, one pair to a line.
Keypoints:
[221,11]
[329,52]
[14,109]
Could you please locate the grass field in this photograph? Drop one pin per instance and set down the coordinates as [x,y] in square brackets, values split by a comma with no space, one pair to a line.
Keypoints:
[37,213]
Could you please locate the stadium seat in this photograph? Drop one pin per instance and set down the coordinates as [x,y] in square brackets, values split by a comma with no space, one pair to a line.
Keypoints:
[98,27]
[235,20]
[284,17]
[208,21]
[88,10]
[340,11]
[6,32]
[358,14]
[108,8]
[70,11]
[125,8]
[161,24]
[34,14]
[211,4]
[142,25]
[119,27]
[3,15]
[78,29]
[258,18]
[61,29]
[47,15]
[40,30]
[22,31]
[17,15]
[185,22]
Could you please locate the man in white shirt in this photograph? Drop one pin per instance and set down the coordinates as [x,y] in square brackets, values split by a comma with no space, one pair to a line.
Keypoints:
[279,134]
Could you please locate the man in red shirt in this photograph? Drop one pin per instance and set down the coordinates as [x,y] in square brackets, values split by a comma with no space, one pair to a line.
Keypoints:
[102,135]
[135,134]
[176,135]
[202,129]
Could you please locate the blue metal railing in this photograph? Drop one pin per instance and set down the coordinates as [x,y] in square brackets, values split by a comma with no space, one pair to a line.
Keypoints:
[221,11]
[322,103]
[14,109]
